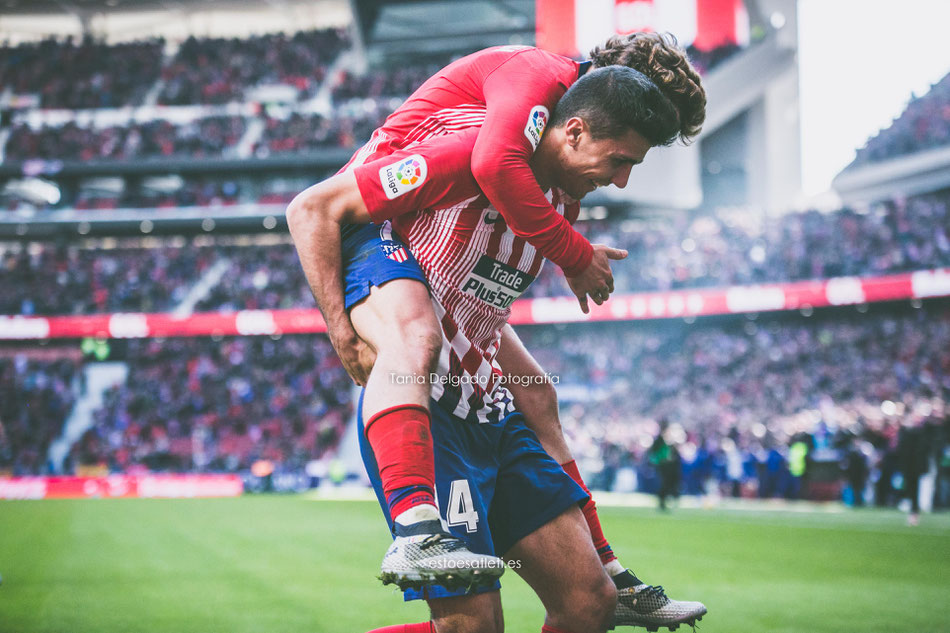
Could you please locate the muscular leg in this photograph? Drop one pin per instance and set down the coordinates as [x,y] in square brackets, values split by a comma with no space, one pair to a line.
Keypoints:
[537,401]
[397,320]
[479,613]
[559,562]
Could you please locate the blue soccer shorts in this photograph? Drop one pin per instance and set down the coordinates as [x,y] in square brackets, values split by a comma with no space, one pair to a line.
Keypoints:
[494,484]
[371,256]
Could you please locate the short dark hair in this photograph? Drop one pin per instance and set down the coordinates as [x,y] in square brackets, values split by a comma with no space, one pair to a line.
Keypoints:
[663,60]
[613,99]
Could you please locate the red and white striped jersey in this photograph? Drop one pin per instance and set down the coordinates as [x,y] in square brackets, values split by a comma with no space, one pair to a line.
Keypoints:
[516,89]
[475,264]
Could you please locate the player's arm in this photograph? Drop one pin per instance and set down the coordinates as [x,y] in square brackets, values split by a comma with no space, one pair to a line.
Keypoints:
[315,218]
[535,397]
[517,95]
[441,176]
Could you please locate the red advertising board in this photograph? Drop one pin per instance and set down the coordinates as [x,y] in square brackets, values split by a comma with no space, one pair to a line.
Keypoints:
[673,304]
[114,486]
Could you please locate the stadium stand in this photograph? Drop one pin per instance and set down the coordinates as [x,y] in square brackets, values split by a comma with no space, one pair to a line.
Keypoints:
[201,404]
[36,396]
[207,137]
[709,250]
[899,235]
[212,70]
[924,124]
[81,74]
[761,385]
[737,392]
[52,279]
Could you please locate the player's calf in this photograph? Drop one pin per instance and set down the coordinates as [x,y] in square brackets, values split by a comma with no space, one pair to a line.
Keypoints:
[588,608]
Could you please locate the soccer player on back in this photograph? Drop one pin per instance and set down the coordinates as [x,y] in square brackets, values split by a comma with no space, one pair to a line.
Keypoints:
[485,457]
[391,308]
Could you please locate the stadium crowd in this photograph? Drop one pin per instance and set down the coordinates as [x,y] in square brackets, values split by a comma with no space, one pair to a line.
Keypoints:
[776,406]
[202,138]
[220,405]
[924,124]
[219,70]
[739,395]
[82,74]
[308,133]
[36,396]
[90,74]
[895,236]
[709,250]
[51,279]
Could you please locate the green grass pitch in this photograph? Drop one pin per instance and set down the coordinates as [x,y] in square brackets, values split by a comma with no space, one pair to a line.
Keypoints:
[288,564]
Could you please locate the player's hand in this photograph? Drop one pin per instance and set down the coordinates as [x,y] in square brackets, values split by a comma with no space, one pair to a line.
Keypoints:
[596,281]
[357,357]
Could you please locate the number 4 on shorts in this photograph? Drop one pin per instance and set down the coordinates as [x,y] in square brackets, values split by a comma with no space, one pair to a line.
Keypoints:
[461,507]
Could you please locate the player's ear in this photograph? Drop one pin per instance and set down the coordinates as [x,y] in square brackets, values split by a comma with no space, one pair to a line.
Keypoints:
[573,130]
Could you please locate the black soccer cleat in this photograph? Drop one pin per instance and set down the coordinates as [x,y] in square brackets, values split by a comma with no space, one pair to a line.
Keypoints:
[639,604]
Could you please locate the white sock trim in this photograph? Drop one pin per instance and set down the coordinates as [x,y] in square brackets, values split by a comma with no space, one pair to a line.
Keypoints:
[614,567]
[415,514]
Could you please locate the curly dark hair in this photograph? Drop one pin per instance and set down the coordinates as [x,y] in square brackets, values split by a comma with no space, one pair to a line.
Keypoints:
[660,57]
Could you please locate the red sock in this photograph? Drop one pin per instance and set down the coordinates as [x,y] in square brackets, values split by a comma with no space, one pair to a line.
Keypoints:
[590,513]
[422,627]
[402,445]
[547,628]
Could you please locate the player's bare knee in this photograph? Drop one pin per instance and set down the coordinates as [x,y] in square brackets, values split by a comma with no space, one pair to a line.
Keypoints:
[604,601]
[423,341]
[466,625]
[460,616]
[590,608]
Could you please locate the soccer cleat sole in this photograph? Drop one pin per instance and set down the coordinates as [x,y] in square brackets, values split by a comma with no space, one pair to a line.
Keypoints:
[671,627]
[459,579]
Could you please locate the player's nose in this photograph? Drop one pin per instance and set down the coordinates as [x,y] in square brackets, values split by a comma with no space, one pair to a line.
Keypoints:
[621,176]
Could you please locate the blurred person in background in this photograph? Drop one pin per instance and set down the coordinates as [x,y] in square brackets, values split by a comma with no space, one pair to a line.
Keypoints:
[664,457]
[913,457]
[856,471]
[798,463]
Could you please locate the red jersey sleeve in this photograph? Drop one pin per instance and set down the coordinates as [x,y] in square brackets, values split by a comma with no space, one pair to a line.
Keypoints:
[435,173]
[520,95]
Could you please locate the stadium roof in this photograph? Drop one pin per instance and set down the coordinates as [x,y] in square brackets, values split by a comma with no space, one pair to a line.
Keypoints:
[118,20]
[76,7]
[461,25]
[388,26]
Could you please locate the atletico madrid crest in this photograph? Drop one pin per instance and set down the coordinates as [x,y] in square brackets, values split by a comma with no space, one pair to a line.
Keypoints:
[391,248]
[395,251]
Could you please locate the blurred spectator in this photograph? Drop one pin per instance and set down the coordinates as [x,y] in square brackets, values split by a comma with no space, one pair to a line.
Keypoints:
[913,457]
[664,457]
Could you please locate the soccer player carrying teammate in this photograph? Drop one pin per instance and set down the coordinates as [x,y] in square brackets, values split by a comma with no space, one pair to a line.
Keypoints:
[485,457]
[392,311]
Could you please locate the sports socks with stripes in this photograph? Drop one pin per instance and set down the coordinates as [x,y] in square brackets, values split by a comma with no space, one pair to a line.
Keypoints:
[402,443]
[421,627]
[607,557]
